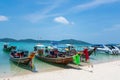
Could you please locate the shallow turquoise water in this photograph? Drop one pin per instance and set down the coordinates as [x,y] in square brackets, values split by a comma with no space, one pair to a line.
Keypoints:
[8,68]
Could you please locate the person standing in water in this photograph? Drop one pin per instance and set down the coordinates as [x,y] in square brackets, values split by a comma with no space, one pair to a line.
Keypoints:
[86,53]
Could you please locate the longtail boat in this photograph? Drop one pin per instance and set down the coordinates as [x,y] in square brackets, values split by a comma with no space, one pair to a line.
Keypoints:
[59,60]
[51,55]
[21,56]
[7,48]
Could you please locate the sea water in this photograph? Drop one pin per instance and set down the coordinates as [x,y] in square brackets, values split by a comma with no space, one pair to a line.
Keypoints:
[8,68]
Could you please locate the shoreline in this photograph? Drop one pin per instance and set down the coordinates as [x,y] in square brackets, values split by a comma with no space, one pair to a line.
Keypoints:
[107,70]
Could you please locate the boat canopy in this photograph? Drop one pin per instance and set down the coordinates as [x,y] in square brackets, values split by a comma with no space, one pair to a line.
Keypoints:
[69,45]
[40,46]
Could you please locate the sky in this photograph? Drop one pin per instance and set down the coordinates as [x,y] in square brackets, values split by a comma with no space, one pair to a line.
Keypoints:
[93,21]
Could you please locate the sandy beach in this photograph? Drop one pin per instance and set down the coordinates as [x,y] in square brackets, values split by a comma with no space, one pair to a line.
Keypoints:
[103,71]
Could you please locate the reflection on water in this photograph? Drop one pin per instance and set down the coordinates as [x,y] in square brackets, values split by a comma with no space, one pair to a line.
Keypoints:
[8,68]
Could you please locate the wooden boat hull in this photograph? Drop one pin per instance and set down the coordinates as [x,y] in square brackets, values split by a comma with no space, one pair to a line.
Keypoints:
[60,60]
[24,60]
[7,50]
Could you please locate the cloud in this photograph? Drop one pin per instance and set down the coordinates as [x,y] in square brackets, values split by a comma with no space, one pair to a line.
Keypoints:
[3,18]
[34,18]
[53,6]
[62,20]
[46,12]
[92,4]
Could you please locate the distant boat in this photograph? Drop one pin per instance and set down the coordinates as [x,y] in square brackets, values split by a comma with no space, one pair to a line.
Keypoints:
[100,48]
[114,49]
[118,45]
[109,49]
[7,48]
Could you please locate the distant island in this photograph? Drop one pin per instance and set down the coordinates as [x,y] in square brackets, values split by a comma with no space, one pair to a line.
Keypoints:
[66,41]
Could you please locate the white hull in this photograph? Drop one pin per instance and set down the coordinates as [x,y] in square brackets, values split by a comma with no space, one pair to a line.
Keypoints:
[107,49]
